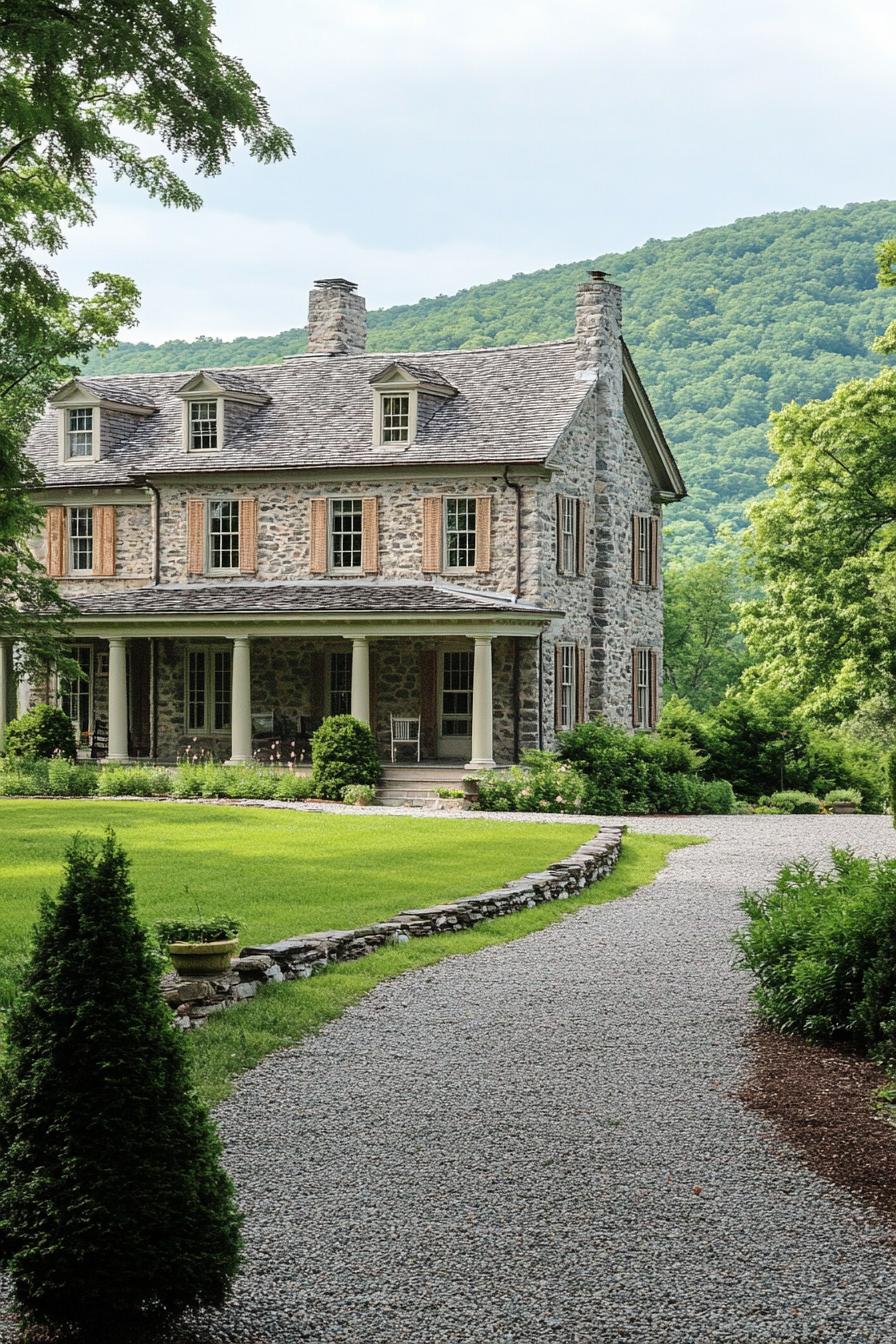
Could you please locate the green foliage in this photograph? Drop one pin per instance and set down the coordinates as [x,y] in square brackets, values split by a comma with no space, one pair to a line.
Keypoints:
[823,949]
[208,929]
[140,781]
[359,794]
[726,325]
[541,783]
[343,751]
[891,780]
[206,779]
[844,796]
[794,801]
[65,779]
[26,780]
[39,733]
[703,653]
[101,1136]
[293,788]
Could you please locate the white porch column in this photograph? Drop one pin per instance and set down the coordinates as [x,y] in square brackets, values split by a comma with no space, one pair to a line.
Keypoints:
[118,700]
[483,745]
[240,703]
[361,680]
[5,672]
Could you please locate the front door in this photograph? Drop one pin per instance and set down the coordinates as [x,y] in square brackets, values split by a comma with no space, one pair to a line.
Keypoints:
[455,725]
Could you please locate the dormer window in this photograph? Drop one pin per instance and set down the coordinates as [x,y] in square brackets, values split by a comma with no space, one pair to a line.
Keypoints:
[203,426]
[395,412]
[79,432]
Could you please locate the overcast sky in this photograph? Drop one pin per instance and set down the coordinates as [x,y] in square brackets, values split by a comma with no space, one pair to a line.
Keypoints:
[441,143]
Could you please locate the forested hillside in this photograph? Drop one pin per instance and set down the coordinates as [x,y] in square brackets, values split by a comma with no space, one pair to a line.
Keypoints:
[726,325]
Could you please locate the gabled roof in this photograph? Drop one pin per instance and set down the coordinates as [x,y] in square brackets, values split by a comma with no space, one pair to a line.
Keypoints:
[224,381]
[417,374]
[648,433]
[108,391]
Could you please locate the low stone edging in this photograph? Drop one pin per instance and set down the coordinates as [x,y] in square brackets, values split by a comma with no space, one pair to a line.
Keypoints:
[194,1000]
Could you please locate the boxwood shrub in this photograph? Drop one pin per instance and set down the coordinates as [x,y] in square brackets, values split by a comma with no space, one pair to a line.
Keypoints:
[343,752]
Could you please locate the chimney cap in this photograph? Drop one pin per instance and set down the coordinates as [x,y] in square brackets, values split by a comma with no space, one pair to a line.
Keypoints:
[337,283]
[598,275]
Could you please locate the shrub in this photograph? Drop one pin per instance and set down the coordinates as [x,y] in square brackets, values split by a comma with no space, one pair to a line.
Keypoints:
[40,733]
[794,801]
[541,783]
[844,796]
[359,794]
[140,781]
[293,788]
[449,793]
[65,779]
[823,949]
[891,776]
[343,751]
[25,780]
[248,781]
[704,796]
[101,1135]
[212,929]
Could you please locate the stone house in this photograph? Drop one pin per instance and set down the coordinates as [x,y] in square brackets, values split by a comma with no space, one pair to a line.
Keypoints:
[468,538]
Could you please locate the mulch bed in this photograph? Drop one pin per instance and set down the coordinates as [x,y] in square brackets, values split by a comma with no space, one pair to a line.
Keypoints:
[821,1100]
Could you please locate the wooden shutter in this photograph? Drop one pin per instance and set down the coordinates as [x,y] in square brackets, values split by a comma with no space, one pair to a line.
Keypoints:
[558,531]
[104,540]
[634,688]
[432,534]
[636,549]
[56,541]
[580,536]
[370,534]
[653,709]
[654,551]
[248,536]
[558,682]
[483,534]
[581,715]
[195,536]
[318,536]
[428,706]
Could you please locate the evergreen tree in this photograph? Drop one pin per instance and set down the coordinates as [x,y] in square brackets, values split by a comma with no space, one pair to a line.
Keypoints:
[113,1203]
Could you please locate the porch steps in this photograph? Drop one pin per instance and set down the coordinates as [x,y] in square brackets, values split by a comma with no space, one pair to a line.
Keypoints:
[416,785]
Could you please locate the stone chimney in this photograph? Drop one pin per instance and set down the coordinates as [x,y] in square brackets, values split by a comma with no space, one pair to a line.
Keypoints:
[599,333]
[337,319]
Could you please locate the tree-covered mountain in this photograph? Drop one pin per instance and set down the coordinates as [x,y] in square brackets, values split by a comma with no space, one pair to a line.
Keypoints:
[726,325]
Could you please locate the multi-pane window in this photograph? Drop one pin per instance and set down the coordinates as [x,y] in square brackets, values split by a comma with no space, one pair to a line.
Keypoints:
[341,682]
[79,432]
[460,533]
[80,540]
[457,694]
[566,689]
[75,692]
[207,691]
[224,535]
[645,549]
[395,412]
[345,534]
[567,534]
[203,426]
[645,665]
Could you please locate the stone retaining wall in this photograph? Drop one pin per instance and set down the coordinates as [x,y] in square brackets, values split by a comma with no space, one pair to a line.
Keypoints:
[194,1000]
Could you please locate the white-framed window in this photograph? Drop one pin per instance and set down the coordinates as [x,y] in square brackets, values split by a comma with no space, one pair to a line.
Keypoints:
[207,690]
[566,690]
[76,693]
[80,540]
[345,533]
[457,694]
[395,417]
[339,691]
[202,425]
[460,533]
[224,536]
[79,431]
[568,513]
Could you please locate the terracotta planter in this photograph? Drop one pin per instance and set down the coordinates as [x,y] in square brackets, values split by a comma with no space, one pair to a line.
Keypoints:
[203,958]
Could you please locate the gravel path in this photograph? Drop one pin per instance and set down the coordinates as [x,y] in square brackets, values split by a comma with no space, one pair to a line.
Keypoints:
[505,1147]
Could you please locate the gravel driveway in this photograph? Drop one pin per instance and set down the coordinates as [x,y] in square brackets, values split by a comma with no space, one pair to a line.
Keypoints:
[505,1147]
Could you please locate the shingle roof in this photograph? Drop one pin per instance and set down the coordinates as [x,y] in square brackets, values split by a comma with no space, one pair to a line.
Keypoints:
[421,372]
[512,405]
[379,598]
[231,380]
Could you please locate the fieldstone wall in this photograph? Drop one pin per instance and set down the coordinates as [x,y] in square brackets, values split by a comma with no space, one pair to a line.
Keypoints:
[132,551]
[194,1000]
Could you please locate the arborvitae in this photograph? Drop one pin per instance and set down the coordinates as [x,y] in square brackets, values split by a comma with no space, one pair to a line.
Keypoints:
[114,1205]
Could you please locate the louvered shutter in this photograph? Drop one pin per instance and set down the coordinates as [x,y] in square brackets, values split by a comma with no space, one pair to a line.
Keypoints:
[581,715]
[636,550]
[432,534]
[558,682]
[195,536]
[653,710]
[483,534]
[654,551]
[248,536]
[635,688]
[580,536]
[104,540]
[318,536]
[56,541]
[370,534]
[428,706]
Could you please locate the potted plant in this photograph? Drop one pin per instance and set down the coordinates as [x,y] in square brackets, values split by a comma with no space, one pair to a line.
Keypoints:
[450,800]
[199,946]
[844,802]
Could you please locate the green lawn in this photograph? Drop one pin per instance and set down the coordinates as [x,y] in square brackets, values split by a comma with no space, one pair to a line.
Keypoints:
[280,872]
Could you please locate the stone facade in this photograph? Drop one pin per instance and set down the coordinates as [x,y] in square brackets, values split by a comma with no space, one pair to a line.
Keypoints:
[133,548]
